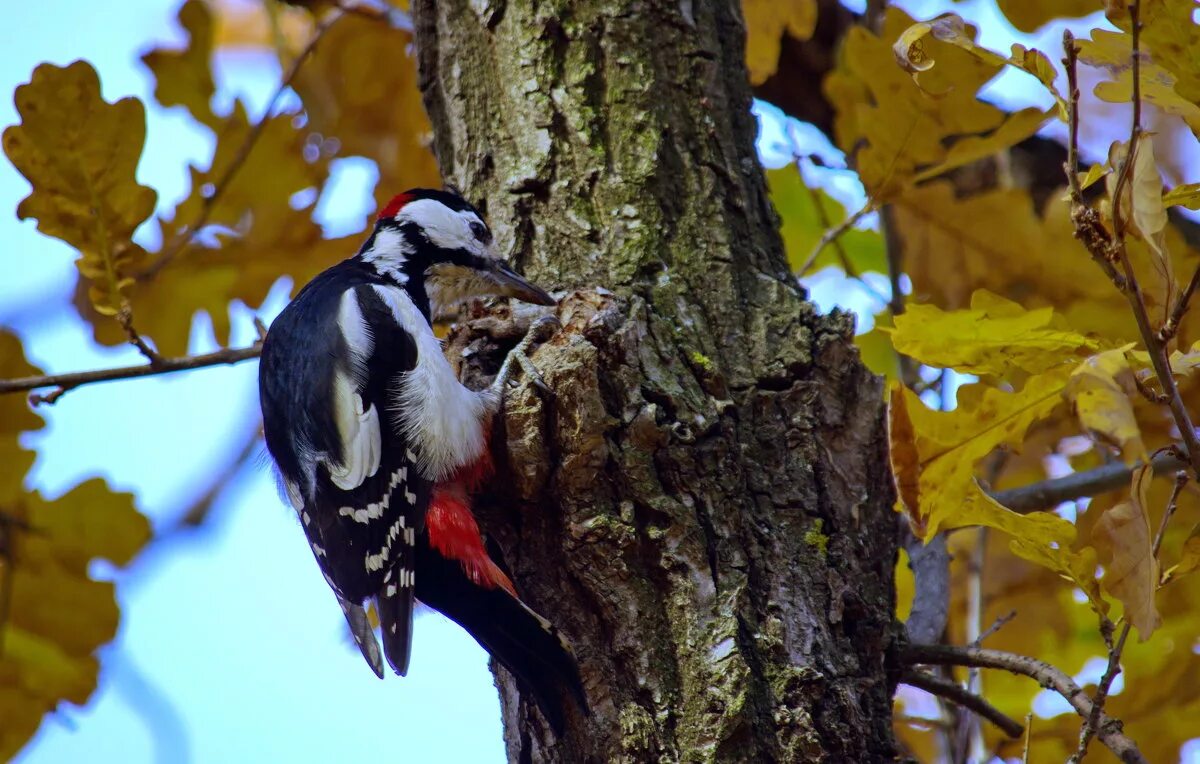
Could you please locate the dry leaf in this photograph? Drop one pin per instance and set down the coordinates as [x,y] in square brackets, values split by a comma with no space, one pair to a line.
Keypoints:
[1122,537]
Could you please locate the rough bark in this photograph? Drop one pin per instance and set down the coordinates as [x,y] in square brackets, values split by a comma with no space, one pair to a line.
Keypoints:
[703,507]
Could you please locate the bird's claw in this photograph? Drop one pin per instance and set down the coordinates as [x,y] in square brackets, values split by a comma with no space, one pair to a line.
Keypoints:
[539,331]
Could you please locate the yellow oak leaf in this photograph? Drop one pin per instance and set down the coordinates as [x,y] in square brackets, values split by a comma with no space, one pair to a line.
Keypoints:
[934,455]
[1189,558]
[253,236]
[59,616]
[360,89]
[15,414]
[1100,391]
[1141,200]
[16,417]
[80,155]
[912,56]
[876,350]
[891,127]
[995,240]
[1029,15]
[1094,174]
[1186,195]
[995,336]
[1123,539]
[1112,52]
[767,21]
[1170,36]
[184,77]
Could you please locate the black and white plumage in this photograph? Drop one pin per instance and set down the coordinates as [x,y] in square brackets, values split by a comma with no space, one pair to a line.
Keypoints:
[365,419]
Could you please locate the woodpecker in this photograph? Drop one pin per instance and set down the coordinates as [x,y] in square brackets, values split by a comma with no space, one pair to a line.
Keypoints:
[378,446]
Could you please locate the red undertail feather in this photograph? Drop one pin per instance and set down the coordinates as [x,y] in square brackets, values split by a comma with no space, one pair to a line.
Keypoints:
[454,534]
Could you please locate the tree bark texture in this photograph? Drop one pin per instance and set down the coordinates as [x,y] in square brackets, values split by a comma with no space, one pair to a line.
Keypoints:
[703,507]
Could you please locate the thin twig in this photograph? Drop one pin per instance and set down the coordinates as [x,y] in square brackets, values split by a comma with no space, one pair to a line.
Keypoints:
[1048,494]
[959,695]
[196,513]
[71,380]
[125,318]
[1135,129]
[997,624]
[835,242]
[171,251]
[1028,734]
[1114,655]
[1088,227]
[1109,729]
[832,235]
[1166,332]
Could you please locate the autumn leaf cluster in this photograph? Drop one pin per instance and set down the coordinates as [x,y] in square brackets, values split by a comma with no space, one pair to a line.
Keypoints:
[1024,357]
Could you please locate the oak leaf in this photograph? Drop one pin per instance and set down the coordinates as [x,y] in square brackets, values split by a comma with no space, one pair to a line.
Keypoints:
[1100,391]
[360,90]
[767,21]
[59,616]
[995,336]
[892,128]
[1030,15]
[184,77]
[80,155]
[1123,539]
[934,455]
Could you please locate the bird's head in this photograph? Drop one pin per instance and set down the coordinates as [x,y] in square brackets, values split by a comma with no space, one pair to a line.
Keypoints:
[437,243]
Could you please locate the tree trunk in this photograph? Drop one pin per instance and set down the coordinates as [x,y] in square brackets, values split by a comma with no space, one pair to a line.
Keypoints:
[703,507]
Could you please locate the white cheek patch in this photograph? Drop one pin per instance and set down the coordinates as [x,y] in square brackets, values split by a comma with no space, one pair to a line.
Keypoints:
[443,226]
[388,254]
[435,412]
[358,426]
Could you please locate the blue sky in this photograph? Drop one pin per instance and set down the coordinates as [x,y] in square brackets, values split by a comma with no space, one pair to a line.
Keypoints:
[232,647]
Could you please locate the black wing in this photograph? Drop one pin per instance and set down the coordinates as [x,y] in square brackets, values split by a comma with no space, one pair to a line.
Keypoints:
[362,533]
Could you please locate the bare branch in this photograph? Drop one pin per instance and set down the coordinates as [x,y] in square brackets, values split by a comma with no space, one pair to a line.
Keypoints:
[832,235]
[71,380]
[1108,731]
[1135,128]
[968,700]
[1167,331]
[996,626]
[1115,650]
[1048,494]
[125,318]
[172,250]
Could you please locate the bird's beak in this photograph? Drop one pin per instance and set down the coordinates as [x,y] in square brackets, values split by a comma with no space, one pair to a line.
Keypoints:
[511,284]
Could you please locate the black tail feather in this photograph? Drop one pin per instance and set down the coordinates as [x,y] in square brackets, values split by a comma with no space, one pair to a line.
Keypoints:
[395,606]
[526,644]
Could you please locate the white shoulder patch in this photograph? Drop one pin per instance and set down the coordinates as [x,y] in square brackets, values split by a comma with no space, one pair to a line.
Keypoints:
[358,427]
[439,416]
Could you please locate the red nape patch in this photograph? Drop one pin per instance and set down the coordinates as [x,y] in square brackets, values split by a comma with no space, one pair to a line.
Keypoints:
[393,207]
[454,534]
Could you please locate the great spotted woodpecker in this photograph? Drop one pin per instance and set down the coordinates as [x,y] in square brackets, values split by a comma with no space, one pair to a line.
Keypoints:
[378,445]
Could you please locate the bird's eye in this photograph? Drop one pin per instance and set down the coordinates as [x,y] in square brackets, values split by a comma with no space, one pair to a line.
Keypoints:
[480,232]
